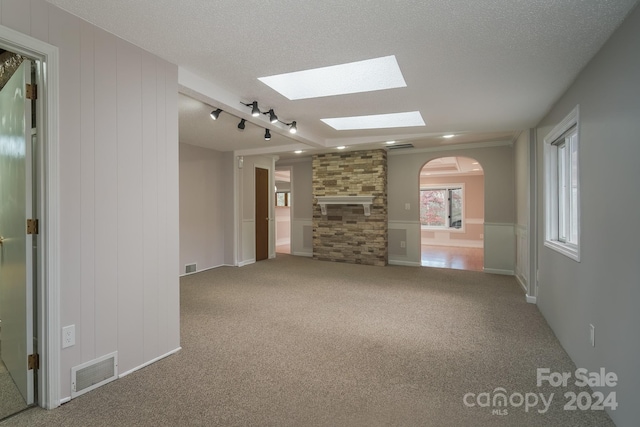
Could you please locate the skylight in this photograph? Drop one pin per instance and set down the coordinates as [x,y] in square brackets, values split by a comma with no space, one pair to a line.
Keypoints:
[377,121]
[353,77]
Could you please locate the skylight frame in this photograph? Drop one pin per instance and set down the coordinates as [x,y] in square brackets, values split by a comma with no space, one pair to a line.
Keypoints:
[376,121]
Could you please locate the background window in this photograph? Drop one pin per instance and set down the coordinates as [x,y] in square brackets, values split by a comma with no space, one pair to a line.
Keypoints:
[283,198]
[441,207]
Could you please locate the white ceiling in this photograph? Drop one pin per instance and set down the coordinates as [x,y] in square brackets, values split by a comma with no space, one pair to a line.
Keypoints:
[482,69]
[451,166]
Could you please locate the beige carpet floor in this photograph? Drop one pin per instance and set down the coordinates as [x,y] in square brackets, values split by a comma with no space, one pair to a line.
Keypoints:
[297,342]
[11,400]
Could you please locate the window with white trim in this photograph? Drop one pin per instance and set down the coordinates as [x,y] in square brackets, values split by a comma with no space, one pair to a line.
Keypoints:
[562,188]
[441,207]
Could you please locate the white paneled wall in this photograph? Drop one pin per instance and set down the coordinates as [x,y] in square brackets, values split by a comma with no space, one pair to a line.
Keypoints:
[118,190]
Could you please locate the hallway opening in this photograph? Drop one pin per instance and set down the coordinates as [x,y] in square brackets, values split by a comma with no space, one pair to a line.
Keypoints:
[452,213]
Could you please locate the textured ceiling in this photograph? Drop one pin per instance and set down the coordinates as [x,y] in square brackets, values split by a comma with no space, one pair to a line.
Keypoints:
[476,67]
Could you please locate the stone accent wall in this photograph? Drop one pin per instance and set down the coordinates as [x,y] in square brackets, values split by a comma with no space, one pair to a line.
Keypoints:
[345,234]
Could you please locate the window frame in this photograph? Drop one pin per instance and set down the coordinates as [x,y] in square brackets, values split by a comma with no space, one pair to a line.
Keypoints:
[287,199]
[447,187]
[561,151]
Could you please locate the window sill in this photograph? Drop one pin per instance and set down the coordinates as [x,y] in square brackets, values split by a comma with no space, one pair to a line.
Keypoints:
[450,230]
[566,249]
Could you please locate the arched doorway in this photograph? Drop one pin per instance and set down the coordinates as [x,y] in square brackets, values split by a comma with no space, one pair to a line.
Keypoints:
[452,213]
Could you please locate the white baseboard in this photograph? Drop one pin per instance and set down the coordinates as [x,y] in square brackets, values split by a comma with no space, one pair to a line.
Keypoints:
[307,254]
[498,271]
[405,263]
[247,262]
[144,365]
[204,269]
[65,400]
[531,300]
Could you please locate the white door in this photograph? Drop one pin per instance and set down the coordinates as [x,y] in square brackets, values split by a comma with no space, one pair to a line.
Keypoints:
[16,250]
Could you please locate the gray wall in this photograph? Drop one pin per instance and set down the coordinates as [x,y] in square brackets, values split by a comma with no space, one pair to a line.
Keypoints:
[603,289]
[229,210]
[202,204]
[521,169]
[496,162]
[118,190]
[403,187]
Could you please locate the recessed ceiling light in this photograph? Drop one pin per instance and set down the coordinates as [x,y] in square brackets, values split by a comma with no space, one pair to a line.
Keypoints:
[448,136]
[353,77]
[342,147]
[377,121]
[475,163]
[390,142]
[298,151]
[476,169]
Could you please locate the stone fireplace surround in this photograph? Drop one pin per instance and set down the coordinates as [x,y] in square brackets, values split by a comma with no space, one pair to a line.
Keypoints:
[345,233]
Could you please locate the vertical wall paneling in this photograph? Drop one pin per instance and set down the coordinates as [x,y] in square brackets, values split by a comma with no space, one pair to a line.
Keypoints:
[106,195]
[163,240]
[16,15]
[118,163]
[40,20]
[150,206]
[65,31]
[87,193]
[172,207]
[129,181]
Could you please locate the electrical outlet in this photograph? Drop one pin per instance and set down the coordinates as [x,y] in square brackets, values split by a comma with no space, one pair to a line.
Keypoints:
[407,206]
[68,336]
[403,244]
[592,330]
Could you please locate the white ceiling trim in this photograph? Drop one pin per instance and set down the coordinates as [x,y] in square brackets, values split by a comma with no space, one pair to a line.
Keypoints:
[208,92]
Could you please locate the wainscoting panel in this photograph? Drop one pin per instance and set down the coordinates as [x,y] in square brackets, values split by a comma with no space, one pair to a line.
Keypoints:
[302,237]
[409,233]
[499,248]
[248,244]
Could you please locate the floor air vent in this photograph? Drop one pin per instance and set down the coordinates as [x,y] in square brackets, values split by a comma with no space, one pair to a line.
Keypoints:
[190,268]
[93,374]
[399,146]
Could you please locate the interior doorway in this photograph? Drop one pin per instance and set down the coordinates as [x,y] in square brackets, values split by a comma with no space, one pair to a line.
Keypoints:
[18,204]
[452,213]
[283,210]
[262,213]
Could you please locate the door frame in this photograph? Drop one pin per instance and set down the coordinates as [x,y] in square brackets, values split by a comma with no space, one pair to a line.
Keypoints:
[48,210]
[255,212]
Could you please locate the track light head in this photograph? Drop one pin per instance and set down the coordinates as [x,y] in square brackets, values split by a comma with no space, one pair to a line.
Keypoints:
[293,128]
[255,111]
[215,114]
[267,135]
[241,124]
[272,116]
